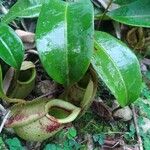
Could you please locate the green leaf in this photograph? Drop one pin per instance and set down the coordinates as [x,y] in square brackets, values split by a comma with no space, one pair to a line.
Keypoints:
[135,14]
[52,147]
[64,41]
[71,144]
[145,91]
[146,140]
[72,133]
[118,67]
[2,145]
[11,47]
[24,9]
[14,144]
[99,138]
[123,2]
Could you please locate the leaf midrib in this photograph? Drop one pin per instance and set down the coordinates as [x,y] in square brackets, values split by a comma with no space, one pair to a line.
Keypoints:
[97,44]
[13,15]
[32,8]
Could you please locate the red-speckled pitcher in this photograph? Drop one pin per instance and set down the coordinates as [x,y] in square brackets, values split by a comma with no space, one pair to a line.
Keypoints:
[40,119]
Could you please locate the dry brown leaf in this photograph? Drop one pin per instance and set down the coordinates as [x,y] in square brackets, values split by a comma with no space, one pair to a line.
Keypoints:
[25,36]
[102,110]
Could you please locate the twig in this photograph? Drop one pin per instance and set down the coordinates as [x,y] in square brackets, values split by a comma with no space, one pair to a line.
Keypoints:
[113,133]
[109,4]
[112,144]
[4,120]
[90,144]
[47,94]
[105,3]
[137,128]
[44,95]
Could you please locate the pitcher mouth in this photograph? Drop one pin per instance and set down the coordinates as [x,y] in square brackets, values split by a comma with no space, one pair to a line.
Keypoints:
[62,111]
[30,76]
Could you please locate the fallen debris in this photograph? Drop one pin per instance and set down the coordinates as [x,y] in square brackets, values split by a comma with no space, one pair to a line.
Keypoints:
[25,36]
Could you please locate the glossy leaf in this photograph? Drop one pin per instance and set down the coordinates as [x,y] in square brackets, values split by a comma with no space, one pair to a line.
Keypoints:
[118,67]
[24,9]
[41,118]
[135,14]
[11,47]
[123,2]
[64,41]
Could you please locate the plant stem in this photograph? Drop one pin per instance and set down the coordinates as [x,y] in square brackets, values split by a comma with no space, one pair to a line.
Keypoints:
[137,128]
[66,92]
[109,4]
[12,100]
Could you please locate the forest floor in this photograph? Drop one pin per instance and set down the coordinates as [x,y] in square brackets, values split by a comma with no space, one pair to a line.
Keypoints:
[105,125]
